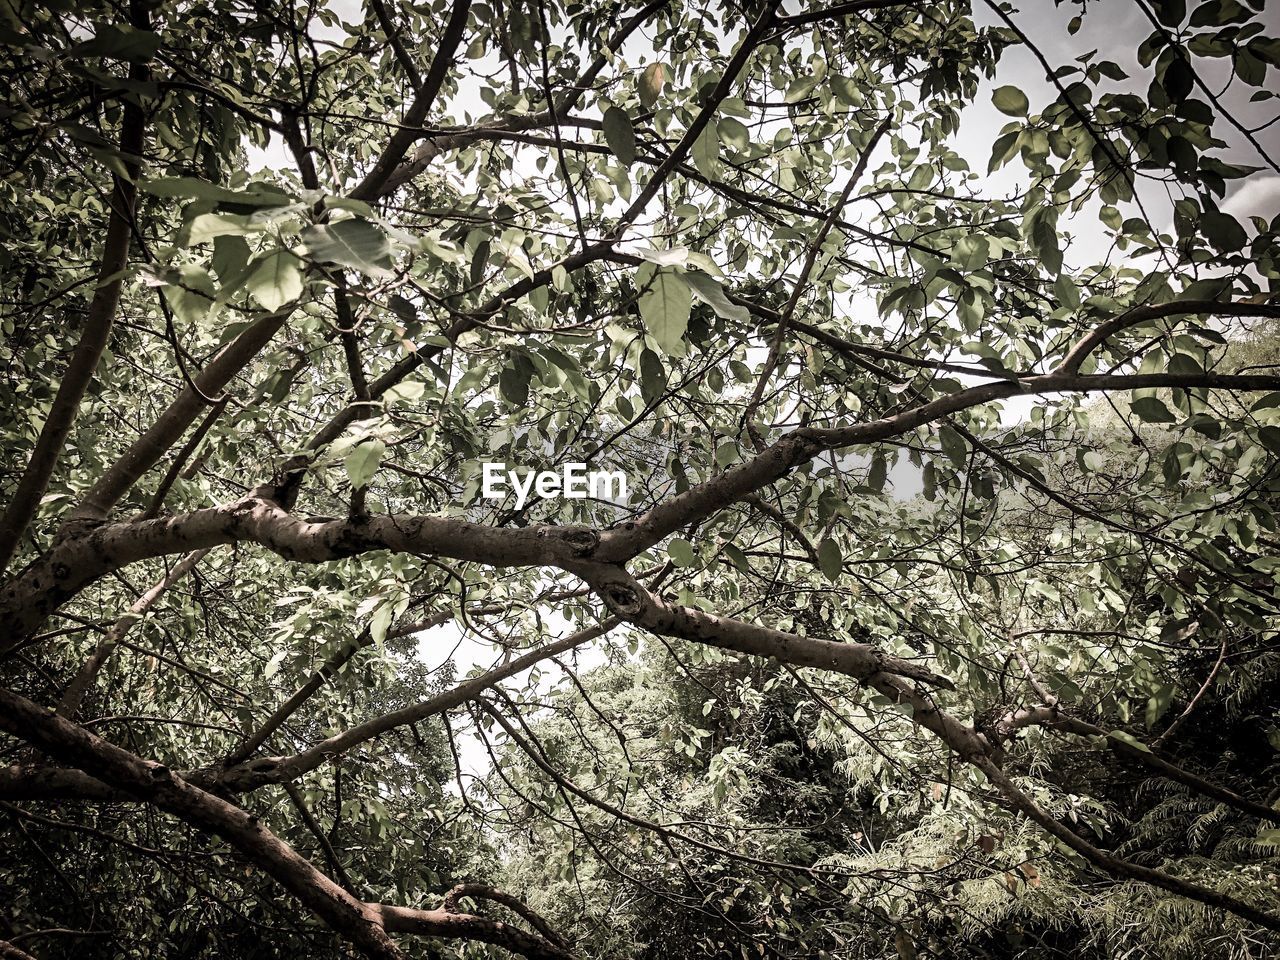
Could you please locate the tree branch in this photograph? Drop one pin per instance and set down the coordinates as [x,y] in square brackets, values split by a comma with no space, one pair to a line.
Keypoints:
[365,925]
[99,321]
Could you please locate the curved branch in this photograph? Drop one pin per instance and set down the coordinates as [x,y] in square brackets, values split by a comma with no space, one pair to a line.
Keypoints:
[480,891]
[365,925]
[1053,717]
[1146,313]
[154,783]
[800,445]
[98,323]
[9,952]
[77,561]
[372,186]
[976,750]
[252,774]
[28,782]
[629,600]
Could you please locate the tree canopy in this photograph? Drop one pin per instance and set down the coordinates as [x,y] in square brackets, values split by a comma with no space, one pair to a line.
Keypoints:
[936,343]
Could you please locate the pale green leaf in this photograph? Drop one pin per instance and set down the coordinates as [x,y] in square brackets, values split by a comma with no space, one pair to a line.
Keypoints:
[664,307]
[362,462]
[276,280]
[1010,100]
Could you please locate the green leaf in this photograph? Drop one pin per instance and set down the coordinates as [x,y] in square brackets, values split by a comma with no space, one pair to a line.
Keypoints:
[1006,146]
[514,380]
[362,462]
[665,307]
[1158,704]
[666,257]
[120,42]
[1152,410]
[847,91]
[800,88]
[1223,230]
[712,294]
[273,665]
[877,473]
[1215,13]
[1179,79]
[260,195]
[737,557]
[191,296]
[209,226]
[1044,240]
[653,376]
[410,390]
[1010,100]
[706,152]
[953,445]
[1129,740]
[1068,294]
[276,280]
[971,252]
[1171,12]
[972,308]
[380,622]
[681,552]
[830,559]
[230,259]
[734,134]
[357,244]
[620,135]
[1270,437]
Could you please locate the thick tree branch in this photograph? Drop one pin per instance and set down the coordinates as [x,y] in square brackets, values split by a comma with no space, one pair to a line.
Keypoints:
[30,782]
[9,952]
[365,925]
[629,600]
[156,784]
[147,450]
[99,320]
[1055,717]
[74,562]
[372,186]
[801,445]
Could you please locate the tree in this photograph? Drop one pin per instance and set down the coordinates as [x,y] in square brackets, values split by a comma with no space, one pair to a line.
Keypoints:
[279,279]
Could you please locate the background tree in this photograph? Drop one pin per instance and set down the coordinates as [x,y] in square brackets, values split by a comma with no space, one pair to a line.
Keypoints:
[939,618]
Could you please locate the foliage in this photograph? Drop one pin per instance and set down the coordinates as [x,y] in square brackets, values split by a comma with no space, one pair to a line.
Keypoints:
[938,618]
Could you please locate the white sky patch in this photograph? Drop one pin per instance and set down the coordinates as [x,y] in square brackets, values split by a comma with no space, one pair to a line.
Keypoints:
[1258,197]
[473,655]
